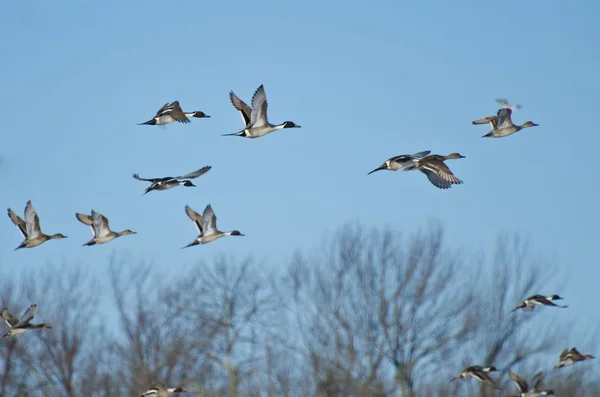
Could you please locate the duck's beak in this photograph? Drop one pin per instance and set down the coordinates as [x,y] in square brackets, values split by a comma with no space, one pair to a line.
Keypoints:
[381,167]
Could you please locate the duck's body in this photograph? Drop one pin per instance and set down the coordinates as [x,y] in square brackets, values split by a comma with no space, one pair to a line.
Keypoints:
[502,124]
[171,182]
[16,327]
[398,162]
[207,226]
[570,357]
[160,390]
[477,372]
[436,170]
[171,113]
[30,228]
[100,228]
[255,117]
[525,391]
[539,300]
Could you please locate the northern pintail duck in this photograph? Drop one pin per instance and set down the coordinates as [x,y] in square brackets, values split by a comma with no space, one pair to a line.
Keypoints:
[169,182]
[570,357]
[16,327]
[505,104]
[398,162]
[502,124]
[478,372]
[539,300]
[99,225]
[437,172]
[171,113]
[207,226]
[159,390]
[255,118]
[524,390]
[30,228]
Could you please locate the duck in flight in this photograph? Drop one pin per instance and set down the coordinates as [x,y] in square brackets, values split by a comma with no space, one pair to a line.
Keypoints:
[524,390]
[255,117]
[502,124]
[170,182]
[436,170]
[539,300]
[398,162]
[30,228]
[478,372]
[100,228]
[171,113]
[570,357]
[16,327]
[207,226]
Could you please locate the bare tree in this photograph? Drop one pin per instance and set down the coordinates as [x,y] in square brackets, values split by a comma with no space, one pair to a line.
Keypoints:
[504,338]
[373,300]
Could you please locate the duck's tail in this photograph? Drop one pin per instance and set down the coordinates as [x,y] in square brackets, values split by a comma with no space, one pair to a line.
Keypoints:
[239,133]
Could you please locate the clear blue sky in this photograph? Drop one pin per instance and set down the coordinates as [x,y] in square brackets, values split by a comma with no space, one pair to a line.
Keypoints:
[366,80]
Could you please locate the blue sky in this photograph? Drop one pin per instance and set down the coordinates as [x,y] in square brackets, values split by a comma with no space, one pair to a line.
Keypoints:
[366,81]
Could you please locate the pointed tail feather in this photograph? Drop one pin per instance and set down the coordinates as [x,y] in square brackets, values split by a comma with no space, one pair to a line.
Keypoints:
[239,133]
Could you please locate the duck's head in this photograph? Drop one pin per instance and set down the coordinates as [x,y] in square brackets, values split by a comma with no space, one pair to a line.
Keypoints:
[188,183]
[291,124]
[201,115]
[127,231]
[44,326]
[58,235]
[588,356]
[529,124]
[491,368]
[235,233]
[455,156]
[383,166]
[554,298]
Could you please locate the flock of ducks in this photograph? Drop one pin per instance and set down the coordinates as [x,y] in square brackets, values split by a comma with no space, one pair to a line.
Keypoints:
[433,166]
[256,125]
[567,357]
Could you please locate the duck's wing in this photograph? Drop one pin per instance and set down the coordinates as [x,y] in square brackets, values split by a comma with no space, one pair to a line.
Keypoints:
[101,227]
[177,113]
[574,354]
[536,380]
[258,117]
[504,119]
[195,174]
[484,378]
[136,176]
[242,107]
[209,220]
[32,221]
[421,154]
[86,220]
[27,316]
[19,223]
[521,383]
[9,319]
[439,174]
[152,392]
[505,104]
[493,120]
[195,217]
[163,110]
[564,354]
